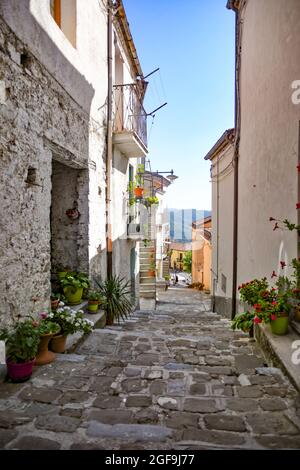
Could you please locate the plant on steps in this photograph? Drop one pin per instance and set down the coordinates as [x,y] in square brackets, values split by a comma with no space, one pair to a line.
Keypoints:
[115,292]
[94,299]
[73,284]
[21,344]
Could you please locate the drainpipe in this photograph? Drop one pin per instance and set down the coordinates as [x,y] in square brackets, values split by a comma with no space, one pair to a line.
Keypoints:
[298,212]
[236,163]
[109,245]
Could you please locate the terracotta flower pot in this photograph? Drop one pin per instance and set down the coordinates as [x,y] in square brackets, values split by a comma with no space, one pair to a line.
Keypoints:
[19,372]
[44,356]
[138,192]
[280,326]
[151,273]
[297,314]
[58,343]
[54,304]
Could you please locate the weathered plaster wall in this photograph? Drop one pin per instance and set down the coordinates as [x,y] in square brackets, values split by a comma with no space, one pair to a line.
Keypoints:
[269,135]
[81,72]
[38,119]
[66,236]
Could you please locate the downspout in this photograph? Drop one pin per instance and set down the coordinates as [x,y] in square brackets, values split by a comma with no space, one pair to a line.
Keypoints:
[298,176]
[236,164]
[109,245]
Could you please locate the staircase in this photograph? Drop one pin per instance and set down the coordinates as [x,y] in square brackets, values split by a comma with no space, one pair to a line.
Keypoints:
[147,283]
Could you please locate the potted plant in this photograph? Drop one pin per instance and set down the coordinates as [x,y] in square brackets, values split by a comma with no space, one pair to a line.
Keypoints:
[73,284]
[152,267]
[295,288]
[62,271]
[150,201]
[21,343]
[137,187]
[94,299]
[115,292]
[55,299]
[70,322]
[167,278]
[47,329]
[269,305]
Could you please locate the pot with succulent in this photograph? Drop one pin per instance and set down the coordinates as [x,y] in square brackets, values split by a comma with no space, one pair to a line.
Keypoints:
[116,298]
[73,284]
[70,322]
[21,345]
[47,329]
[94,299]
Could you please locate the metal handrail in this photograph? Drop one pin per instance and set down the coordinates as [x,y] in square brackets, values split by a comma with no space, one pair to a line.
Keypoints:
[129,113]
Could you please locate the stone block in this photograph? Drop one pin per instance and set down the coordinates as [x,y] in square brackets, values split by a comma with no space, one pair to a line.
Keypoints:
[225,422]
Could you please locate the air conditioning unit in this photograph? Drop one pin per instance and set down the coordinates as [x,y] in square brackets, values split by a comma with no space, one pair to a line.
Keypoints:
[135,231]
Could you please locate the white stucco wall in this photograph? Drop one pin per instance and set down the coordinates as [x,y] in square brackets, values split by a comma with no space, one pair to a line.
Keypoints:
[269,135]
[222,221]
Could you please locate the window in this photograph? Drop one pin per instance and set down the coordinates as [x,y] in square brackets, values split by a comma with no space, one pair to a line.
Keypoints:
[64,15]
[55,8]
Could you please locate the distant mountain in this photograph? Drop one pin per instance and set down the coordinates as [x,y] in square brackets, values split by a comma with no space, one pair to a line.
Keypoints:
[181,220]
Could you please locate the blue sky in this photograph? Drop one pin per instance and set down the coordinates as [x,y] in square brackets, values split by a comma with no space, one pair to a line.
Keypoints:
[192,41]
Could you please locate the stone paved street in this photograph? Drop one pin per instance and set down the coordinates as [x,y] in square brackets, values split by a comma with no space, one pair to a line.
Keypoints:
[177,378]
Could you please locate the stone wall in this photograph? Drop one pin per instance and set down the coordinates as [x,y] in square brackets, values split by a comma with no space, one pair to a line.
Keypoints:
[39,121]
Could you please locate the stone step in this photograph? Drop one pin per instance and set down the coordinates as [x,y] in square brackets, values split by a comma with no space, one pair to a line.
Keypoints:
[147,280]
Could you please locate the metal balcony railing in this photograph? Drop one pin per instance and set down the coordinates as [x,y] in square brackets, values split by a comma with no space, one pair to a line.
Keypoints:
[129,113]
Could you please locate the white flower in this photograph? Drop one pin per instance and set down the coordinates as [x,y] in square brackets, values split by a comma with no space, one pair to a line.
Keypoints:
[50,315]
[61,304]
[60,310]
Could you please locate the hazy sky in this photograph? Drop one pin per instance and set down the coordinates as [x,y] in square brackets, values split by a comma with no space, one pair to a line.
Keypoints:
[192,41]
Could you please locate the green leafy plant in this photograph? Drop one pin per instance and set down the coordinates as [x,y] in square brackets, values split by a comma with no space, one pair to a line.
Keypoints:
[251,292]
[115,292]
[167,277]
[21,341]
[47,327]
[267,303]
[75,281]
[57,296]
[187,261]
[94,295]
[243,321]
[152,265]
[146,242]
[150,201]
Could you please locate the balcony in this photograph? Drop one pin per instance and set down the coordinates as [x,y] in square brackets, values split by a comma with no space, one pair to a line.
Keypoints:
[136,224]
[130,121]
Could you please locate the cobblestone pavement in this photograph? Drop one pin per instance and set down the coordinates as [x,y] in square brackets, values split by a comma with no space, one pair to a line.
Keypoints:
[177,378]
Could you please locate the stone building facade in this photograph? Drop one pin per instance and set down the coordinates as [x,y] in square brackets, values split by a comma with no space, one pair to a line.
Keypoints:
[53,145]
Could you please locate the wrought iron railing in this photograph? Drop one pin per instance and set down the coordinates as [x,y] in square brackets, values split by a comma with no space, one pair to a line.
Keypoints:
[129,113]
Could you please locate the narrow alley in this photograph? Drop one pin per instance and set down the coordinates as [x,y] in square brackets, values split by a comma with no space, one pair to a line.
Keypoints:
[174,378]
